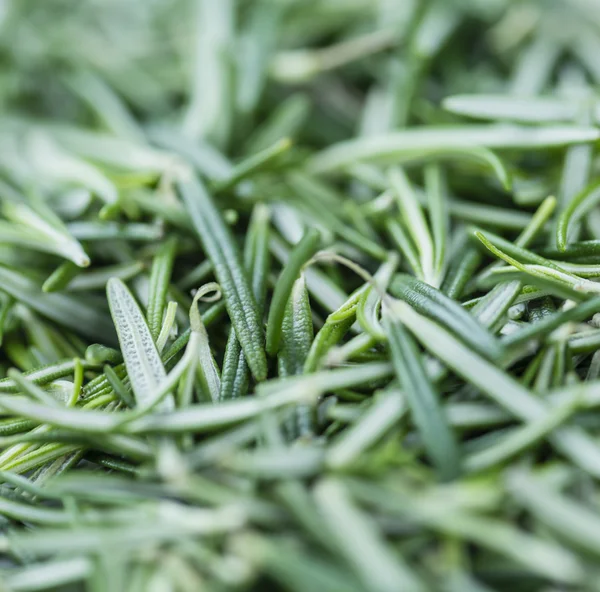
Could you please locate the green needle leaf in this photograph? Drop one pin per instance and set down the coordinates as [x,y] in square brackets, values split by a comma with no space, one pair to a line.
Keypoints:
[303,251]
[220,247]
[426,144]
[422,399]
[144,366]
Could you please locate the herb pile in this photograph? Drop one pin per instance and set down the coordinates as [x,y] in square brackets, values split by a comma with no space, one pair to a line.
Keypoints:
[299,295]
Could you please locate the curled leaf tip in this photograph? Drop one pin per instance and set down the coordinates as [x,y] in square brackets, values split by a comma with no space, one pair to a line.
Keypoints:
[202,294]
